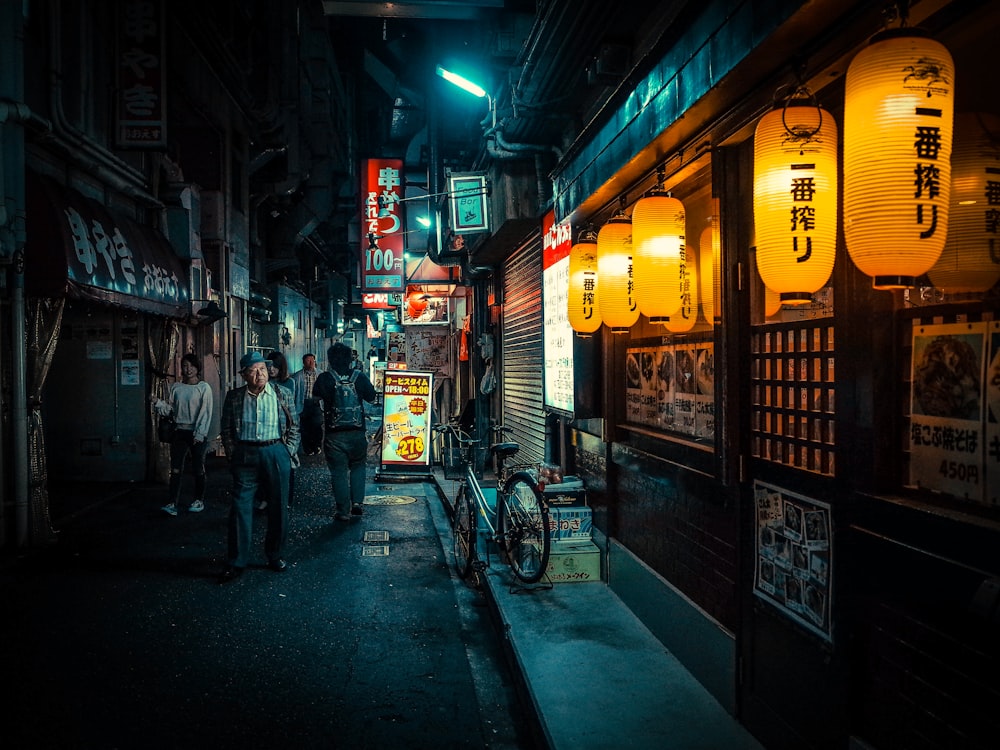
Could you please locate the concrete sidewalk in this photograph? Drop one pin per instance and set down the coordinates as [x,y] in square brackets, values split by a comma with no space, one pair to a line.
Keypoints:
[594,675]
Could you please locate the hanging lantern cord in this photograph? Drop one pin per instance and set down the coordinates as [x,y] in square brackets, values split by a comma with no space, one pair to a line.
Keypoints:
[798,93]
[897,9]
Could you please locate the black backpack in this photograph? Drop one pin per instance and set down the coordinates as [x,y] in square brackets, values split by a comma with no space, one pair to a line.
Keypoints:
[346,409]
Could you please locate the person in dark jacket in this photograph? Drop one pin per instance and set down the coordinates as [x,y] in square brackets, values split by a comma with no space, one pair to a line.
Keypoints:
[342,389]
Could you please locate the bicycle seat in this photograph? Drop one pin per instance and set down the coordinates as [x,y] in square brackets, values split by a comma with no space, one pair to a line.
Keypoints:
[505,450]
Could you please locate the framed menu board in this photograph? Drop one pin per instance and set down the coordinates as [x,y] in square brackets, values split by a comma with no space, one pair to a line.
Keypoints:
[406,422]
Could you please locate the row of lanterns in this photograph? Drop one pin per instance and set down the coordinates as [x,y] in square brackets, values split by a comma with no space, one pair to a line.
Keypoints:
[911,206]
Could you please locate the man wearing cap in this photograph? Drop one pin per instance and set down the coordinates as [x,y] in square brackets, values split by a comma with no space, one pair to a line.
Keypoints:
[260,434]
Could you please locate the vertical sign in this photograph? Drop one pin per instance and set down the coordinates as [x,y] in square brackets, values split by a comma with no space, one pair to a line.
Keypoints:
[947,414]
[406,421]
[382,260]
[557,334]
[141,100]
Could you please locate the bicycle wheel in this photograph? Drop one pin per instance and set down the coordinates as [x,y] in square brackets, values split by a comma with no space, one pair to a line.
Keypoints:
[463,528]
[523,527]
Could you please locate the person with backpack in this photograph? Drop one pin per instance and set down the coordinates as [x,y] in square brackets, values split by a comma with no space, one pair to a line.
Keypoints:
[342,389]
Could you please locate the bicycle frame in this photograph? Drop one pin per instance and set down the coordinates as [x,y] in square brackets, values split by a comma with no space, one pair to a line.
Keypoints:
[517,523]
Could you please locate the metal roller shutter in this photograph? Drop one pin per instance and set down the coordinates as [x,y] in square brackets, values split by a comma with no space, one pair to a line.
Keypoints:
[522,363]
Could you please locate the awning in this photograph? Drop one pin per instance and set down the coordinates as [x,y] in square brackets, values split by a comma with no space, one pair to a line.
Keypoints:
[78,248]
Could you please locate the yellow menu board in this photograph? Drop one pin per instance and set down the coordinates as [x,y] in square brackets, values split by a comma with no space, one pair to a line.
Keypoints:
[406,422]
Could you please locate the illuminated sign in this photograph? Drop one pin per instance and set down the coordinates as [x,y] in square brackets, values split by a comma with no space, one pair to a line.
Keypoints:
[558,335]
[381,260]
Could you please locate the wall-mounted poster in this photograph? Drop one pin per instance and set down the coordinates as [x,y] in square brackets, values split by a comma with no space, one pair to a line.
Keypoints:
[429,350]
[425,307]
[947,409]
[992,479]
[406,422]
[672,387]
[794,556]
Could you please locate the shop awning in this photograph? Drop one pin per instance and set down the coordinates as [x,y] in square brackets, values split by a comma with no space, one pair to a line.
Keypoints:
[76,247]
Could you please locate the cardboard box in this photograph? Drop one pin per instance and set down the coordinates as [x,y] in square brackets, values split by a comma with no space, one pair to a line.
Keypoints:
[565,495]
[570,524]
[574,563]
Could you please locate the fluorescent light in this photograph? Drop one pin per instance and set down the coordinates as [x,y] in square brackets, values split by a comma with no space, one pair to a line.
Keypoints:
[462,83]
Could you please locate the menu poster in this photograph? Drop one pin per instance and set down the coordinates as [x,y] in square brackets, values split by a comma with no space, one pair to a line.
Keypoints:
[429,350]
[992,478]
[947,409]
[794,554]
[672,387]
[406,421]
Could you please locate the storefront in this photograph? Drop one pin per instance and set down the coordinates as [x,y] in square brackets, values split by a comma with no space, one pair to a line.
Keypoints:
[781,506]
[109,293]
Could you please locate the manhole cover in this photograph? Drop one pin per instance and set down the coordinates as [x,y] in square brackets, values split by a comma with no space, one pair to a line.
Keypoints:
[376,536]
[389,499]
[375,550]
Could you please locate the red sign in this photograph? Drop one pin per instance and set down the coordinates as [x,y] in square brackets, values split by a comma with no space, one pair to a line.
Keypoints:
[382,243]
[556,240]
[375,301]
[141,100]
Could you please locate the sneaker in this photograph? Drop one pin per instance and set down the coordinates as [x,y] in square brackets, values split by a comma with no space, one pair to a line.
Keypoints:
[341,517]
[357,510]
[170,509]
[197,506]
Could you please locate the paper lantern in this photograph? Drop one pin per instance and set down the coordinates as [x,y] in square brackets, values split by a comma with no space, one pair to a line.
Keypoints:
[795,199]
[614,274]
[710,251]
[970,262]
[898,113]
[772,302]
[657,255]
[582,298]
[686,315]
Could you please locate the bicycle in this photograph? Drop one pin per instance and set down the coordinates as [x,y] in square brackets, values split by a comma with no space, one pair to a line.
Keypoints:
[519,522]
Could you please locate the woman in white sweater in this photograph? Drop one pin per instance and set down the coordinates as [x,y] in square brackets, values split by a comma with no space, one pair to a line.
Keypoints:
[191,405]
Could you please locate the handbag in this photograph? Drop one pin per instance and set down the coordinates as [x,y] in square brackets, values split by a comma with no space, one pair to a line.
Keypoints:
[165,428]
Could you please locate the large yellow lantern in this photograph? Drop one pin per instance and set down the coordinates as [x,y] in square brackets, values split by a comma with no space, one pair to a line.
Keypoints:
[657,254]
[686,315]
[898,111]
[795,199]
[709,254]
[582,298]
[970,262]
[614,274]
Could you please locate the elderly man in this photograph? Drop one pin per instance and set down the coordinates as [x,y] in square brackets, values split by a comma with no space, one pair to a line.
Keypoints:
[260,433]
[309,408]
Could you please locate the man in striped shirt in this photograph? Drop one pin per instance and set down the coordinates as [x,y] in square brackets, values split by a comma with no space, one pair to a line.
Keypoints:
[260,434]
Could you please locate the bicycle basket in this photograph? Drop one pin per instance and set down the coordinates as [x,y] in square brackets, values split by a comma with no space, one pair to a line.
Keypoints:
[452,458]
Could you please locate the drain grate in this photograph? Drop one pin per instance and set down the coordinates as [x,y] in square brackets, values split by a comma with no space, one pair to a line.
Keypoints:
[376,536]
[375,550]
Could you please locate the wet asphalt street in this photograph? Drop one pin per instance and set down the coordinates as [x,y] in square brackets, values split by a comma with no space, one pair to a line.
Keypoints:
[119,636]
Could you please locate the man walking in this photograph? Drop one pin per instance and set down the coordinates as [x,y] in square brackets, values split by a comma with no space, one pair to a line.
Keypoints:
[309,408]
[260,434]
[342,390]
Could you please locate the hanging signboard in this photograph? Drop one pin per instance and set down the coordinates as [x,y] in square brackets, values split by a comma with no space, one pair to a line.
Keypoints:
[558,338]
[794,567]
[382,243]
[469,212]
[947,409]
[406,422]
